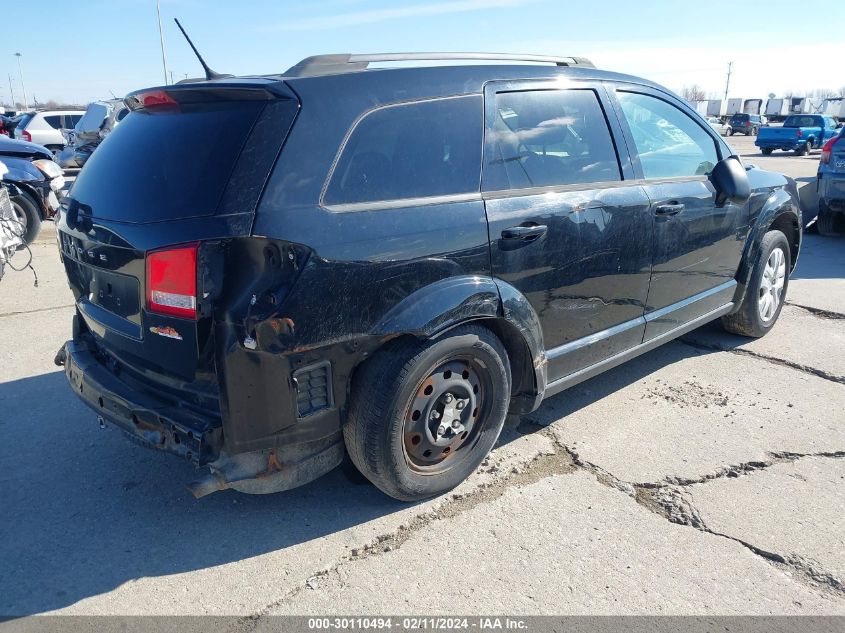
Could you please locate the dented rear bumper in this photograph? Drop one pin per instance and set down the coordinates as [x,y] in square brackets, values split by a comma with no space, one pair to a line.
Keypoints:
[153,422]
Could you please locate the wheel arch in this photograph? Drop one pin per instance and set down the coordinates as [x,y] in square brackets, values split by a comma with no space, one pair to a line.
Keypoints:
[780,212]
[435,310]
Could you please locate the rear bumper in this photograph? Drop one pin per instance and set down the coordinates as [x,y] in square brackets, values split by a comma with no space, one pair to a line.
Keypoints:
[777,144]
[832,191]
[151,422]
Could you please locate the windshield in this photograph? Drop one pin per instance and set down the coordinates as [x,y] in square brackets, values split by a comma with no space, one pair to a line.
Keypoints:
[168,164]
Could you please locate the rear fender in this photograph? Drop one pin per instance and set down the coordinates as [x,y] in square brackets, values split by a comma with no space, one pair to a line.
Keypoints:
[781,211]
[441,306]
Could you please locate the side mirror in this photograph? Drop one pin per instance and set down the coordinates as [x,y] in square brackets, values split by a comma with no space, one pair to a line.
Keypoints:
[731,182]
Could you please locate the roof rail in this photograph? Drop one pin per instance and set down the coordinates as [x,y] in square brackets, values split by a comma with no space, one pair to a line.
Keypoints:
[345,63]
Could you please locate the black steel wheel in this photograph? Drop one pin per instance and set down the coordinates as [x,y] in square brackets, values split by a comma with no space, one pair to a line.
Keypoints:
[424,415]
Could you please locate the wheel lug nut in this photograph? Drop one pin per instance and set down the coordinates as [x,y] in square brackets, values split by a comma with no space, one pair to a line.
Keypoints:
[461,404]
[455,424]
[449,397]
[435,415]
[441,430]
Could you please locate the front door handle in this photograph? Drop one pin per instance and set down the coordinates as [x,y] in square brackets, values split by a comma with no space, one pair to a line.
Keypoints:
[668,209]
[524,232]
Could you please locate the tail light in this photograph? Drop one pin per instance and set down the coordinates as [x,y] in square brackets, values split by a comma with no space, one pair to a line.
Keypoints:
[800,133]
[748,124]
[172,282]
[827,149]
[26,136]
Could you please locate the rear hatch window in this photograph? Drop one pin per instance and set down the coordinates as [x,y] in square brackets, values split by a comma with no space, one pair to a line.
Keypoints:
[166,164]
[739,118]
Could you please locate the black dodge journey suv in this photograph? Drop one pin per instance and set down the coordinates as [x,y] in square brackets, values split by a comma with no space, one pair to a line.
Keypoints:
[272,272]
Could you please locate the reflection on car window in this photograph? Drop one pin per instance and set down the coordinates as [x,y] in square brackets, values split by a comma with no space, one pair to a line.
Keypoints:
[413,150]
[669,143]
[543,138]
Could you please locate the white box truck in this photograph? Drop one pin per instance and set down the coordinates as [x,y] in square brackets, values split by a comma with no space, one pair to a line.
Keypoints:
[716,107]
[752,106]
[734,106]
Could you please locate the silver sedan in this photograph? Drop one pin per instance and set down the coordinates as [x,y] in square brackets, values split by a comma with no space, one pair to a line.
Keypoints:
[722,128]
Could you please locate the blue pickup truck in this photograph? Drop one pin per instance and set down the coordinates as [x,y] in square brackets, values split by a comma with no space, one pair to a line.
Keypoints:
[800,133]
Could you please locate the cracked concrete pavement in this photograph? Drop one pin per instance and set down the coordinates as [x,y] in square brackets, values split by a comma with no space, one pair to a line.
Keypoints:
[703,478]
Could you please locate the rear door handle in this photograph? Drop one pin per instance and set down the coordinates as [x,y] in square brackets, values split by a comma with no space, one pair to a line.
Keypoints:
[668,209]
[524,232]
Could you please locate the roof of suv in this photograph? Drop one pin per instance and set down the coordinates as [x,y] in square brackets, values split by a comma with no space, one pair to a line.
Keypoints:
[409,82]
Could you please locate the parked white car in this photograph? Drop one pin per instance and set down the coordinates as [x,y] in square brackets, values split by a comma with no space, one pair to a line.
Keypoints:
[722,128]
[45,128]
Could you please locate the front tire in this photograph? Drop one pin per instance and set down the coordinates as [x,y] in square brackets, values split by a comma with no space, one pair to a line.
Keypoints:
[424,415]
[28,214]
[766,290]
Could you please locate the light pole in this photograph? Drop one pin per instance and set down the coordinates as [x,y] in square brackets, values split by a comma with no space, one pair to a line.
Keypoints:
[23,86]
[12,90]
[161,40]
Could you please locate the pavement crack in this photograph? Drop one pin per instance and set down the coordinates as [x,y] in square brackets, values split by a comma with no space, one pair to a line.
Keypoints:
[672,500]
[19,312]
[822,314]
[541,466]
[820,373]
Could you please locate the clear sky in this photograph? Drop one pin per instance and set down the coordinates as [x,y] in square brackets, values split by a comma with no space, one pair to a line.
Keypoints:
[84,50]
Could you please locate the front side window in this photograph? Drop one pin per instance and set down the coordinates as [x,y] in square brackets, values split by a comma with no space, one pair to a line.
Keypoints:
[542,138]
[412,150]
[669,143]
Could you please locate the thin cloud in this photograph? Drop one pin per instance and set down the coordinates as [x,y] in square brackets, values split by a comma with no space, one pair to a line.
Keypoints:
[357,18]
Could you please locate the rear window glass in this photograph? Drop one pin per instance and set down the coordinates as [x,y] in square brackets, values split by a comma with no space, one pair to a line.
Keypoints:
[25,121]
[413,150]
[801,121]
[166,165]
[740,117]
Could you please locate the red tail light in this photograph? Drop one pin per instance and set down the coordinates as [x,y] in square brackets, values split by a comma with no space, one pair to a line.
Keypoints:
[748,124]
[800,133]
[26,136]
[172,282]
[827,150]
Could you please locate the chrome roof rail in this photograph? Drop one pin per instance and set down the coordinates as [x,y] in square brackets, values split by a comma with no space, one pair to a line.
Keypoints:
[345,63]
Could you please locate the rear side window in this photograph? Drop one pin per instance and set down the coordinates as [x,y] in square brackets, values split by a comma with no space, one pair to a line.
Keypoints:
[412,150]
[669,143]
[544,138]
[54,121]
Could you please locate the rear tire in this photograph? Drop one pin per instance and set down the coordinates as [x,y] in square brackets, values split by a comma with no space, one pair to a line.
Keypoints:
[824,222]
[754,131]
[424,415]
[803,150]
[770,278]
[29,215]
[767,151]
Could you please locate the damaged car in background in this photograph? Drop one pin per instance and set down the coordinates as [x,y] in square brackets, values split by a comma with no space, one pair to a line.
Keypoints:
[99,120]
[38,179]
[339,269]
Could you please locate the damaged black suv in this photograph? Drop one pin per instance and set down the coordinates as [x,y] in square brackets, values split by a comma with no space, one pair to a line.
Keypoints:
[272,272]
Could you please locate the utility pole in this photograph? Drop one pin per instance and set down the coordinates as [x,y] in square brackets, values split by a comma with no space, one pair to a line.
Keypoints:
[23,85]
[171,77]
[728,82]
[12,90]
[161,40]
